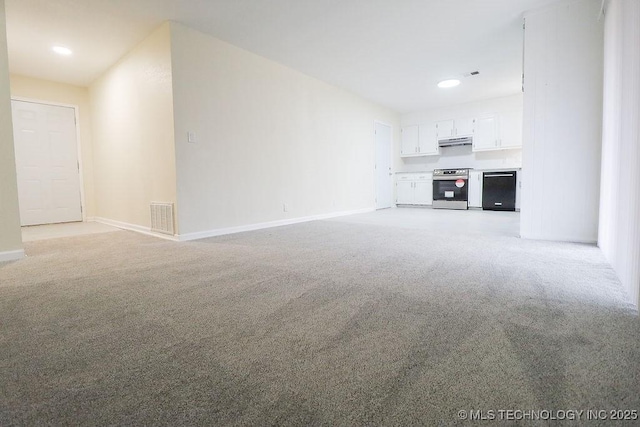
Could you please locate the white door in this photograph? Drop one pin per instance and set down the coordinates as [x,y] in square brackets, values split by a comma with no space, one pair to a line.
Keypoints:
[46,163]
[384,183]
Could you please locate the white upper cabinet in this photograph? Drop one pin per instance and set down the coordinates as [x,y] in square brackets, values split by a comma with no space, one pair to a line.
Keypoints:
[464,127]
[410,140]
[457,128]
[419,141]
[498,131]
[428,141]
[445,129]
[491,125]
[485,136]
[511,129]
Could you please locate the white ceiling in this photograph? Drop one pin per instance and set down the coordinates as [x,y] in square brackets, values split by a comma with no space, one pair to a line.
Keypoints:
[392,52]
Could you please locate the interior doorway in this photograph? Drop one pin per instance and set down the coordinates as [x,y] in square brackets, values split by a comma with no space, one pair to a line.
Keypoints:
[47,166]
[384,179]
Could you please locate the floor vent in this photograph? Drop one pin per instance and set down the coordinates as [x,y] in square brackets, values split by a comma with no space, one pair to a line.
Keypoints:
[162,218]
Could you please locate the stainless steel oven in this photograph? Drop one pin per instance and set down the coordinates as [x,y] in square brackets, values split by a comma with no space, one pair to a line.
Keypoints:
[451,189]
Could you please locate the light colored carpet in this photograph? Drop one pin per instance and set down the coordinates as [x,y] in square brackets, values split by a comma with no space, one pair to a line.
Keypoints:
[399,317]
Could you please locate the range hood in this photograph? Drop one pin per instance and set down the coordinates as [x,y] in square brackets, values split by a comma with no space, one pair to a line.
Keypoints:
[452,142]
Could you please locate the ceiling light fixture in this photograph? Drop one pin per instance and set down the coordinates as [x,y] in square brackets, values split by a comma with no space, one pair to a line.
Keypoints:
[448,83]
[61,50]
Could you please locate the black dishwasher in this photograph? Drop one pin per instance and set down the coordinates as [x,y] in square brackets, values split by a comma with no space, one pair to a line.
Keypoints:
[499,191]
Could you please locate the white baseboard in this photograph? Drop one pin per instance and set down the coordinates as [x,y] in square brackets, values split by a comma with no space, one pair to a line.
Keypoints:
[559,238]
[132,227]
[263,225]
[12,255]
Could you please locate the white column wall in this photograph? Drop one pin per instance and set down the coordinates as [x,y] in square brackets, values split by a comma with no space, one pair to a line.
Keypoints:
[10,234]
[133,134]
[562,121]
[619,230]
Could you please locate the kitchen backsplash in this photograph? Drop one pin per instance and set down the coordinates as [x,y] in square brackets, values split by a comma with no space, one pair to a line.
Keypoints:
[462,157]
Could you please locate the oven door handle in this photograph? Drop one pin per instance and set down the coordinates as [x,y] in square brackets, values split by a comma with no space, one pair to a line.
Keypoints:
[497,175]
[450,178]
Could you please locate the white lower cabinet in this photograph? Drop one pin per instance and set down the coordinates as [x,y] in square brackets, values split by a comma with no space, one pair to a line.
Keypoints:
[475,189]
[414,189]
[404,192]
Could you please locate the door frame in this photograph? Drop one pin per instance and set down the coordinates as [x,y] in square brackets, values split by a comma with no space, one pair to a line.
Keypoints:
[375,151]
[78,142]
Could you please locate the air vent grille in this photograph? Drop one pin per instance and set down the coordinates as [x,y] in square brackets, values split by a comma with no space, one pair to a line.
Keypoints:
[162,218]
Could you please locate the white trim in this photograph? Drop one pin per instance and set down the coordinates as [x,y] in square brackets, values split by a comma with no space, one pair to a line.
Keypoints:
[270,224]
[76,112]
[12,255]
[132,227]
[224,231]
[566,239]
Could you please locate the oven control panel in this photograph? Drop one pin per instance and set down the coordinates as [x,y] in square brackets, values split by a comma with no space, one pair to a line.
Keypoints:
[451,173]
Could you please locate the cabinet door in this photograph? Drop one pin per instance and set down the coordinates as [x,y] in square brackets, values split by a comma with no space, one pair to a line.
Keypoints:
[410,140]
[404,192]
[475,189]
[464,127]
[424,192]
[485,136]
[511,130]
[428,140]
[444,129]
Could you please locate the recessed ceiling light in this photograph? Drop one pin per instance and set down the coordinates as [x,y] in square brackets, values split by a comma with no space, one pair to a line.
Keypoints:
[448,83]
[61,50]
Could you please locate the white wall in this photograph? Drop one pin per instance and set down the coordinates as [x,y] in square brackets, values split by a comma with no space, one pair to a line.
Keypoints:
[10,234]
[266,135]
[619,233]
[462,157]
[133,134]
[61,93]
[562,122]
